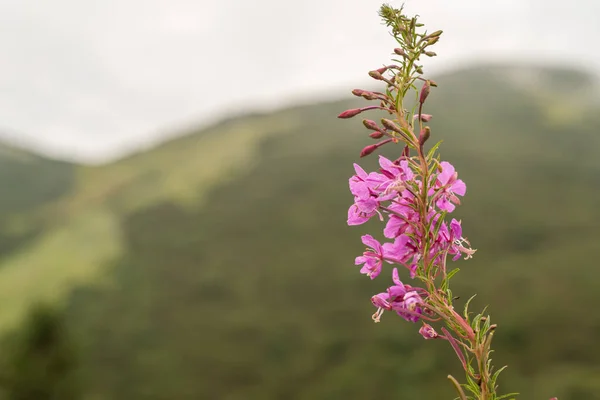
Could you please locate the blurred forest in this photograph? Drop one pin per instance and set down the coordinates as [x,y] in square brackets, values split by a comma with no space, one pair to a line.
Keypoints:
[219,265]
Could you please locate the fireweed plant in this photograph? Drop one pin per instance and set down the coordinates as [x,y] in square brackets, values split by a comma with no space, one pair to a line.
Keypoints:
[414,195]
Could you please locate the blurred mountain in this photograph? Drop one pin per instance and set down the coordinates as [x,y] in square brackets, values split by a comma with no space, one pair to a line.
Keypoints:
[29,182]
[219,265]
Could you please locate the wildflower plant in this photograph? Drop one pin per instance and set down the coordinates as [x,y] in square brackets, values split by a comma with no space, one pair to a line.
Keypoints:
[414,196]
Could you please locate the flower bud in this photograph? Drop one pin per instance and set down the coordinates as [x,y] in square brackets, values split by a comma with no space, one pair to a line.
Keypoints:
[430,54]
[433,35]
[382,70]
[369,124]
[350,113]
[424,117]
[424,135]
[432,83]
[428,332]
[433,40]
[390,125]
[358,92]
[376,135]
[400,52]
[368,150]
[376,75]
[424,92]
[369,95]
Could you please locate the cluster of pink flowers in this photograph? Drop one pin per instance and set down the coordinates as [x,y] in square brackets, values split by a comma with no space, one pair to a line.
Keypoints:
[392,194]
[413,195]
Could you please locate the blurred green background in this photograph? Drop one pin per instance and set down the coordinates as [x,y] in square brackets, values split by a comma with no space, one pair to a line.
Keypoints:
[219,265]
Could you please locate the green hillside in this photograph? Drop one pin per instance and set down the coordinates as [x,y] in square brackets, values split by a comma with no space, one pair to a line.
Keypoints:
[219,265]
[29,182]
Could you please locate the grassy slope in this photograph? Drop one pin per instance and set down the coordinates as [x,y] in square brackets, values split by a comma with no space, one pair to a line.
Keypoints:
[28,183]
[79,233]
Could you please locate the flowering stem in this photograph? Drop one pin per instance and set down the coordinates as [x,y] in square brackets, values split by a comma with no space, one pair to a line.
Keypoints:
[415,193]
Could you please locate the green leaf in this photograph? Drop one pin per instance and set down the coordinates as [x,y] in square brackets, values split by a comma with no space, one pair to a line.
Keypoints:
[432,151]
[506,396]
[466,311]
[497,374]
[446,282]
[452,273]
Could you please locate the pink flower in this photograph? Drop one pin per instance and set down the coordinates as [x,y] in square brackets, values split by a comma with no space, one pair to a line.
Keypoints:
[452,240]
[447,187]
[358,186]
[365,201]
[400,251]
[372,259]
[401,298]
[393,177]
[401,221]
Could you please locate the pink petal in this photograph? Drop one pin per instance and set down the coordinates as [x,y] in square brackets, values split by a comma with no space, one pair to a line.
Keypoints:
[370,241]
[354,217]
[459,187]
[359,171]
[396,277]
[380,300]
[447,172]
[360,260]
[456,229]
[445,205]
[391,228]
[386,164]
[359,189]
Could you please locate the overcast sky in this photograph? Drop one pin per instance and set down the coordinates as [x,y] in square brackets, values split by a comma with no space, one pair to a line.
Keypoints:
[92,80]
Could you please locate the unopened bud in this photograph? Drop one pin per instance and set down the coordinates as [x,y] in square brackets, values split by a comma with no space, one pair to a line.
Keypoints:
[430,54]
[350,113]
[382,70]
[424,117]
[433,40]
[376,75]
[376,135]
[358,92]
[368,150]
[364,93]
[419,70]
[424,135]
[390,125]
[424,92]
[369,124]
[400,52]
[432,83]
[433,35]
[369,95]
